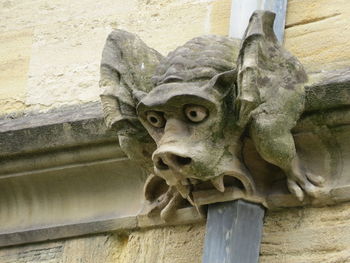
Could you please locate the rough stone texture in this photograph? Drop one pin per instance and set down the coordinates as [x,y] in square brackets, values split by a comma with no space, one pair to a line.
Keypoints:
[67,37]
[181,244]
[311,235]
[15,49]
[63,41]
[318,33]
[307,235]
[87,250]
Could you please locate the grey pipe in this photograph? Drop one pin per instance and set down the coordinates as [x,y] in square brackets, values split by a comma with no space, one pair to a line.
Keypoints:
[241,10]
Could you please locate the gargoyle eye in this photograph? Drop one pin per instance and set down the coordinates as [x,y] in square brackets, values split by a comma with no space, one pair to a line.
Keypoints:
[156,119]
[196,113]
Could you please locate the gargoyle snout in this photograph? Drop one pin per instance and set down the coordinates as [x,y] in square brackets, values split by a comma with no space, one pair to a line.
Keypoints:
[169,160]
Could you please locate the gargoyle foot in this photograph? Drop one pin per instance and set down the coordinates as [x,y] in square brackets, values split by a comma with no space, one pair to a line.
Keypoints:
[300,182]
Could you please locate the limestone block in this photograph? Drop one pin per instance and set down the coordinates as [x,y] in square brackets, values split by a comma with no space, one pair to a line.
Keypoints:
[69,35]
[15,49]
[309,235]
[166,25]
[298,235]
[64,65]
[30,13]
[71,49]
[220,17]
[91,249]
[180,244]
[48,253]
[318,33]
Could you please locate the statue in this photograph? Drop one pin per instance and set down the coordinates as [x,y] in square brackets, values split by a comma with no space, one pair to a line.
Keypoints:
[210,115]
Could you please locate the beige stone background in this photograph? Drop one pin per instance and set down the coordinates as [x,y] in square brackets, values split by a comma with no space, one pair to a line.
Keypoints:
[49,57]
[307,235]
[50,49]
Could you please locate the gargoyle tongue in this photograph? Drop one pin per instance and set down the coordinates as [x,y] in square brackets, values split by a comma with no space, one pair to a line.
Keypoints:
[218,183]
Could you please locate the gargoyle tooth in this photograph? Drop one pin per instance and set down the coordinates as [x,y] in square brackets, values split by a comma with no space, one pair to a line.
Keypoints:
[218,183]
[190,200]
[183,190]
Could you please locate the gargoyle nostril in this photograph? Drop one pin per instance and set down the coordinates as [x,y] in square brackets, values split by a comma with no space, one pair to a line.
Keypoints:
[183,160]
[161,165]
[168,160]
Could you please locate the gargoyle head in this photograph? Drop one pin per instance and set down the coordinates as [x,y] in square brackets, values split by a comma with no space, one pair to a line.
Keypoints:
[190,116]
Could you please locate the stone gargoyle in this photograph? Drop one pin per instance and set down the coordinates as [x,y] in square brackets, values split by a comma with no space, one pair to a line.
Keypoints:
[213,120]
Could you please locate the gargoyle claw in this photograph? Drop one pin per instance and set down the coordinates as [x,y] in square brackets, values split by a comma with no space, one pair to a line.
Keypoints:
[315,179]
[300,184]
[295,189]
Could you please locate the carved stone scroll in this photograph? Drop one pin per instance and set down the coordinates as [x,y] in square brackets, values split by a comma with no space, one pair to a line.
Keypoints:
[220,119]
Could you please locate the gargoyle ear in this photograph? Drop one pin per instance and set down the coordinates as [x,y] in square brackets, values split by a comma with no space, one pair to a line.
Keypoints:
[263,64]
[261,24]
[261,52]
[224,82]
[127,67]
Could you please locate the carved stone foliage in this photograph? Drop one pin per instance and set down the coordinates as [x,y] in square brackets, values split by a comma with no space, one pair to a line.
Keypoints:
[216,119]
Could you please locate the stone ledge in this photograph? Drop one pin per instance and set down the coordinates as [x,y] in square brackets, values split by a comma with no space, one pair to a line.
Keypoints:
[121,224]
[60,128]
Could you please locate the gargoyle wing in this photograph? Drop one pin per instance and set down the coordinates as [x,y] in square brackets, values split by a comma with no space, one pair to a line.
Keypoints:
[127,67]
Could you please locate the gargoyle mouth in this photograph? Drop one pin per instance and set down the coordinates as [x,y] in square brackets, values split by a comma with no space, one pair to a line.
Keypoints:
[188,186]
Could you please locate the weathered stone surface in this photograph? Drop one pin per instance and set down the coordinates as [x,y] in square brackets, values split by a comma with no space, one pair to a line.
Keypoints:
[310,235]
[74,125]
[297,235]
[15,51]
[70,54]
[28,14]
[88,250]
[318,33]
[71,62]
[220,12]
[181,244]
[164,31]
[68,38]
[62,175]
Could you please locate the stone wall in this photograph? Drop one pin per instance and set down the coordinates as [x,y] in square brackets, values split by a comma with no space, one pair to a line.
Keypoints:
[49,57]
[50,50]
[307,235]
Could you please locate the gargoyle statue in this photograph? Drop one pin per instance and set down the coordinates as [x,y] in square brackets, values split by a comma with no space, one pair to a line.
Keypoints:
[184,117]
